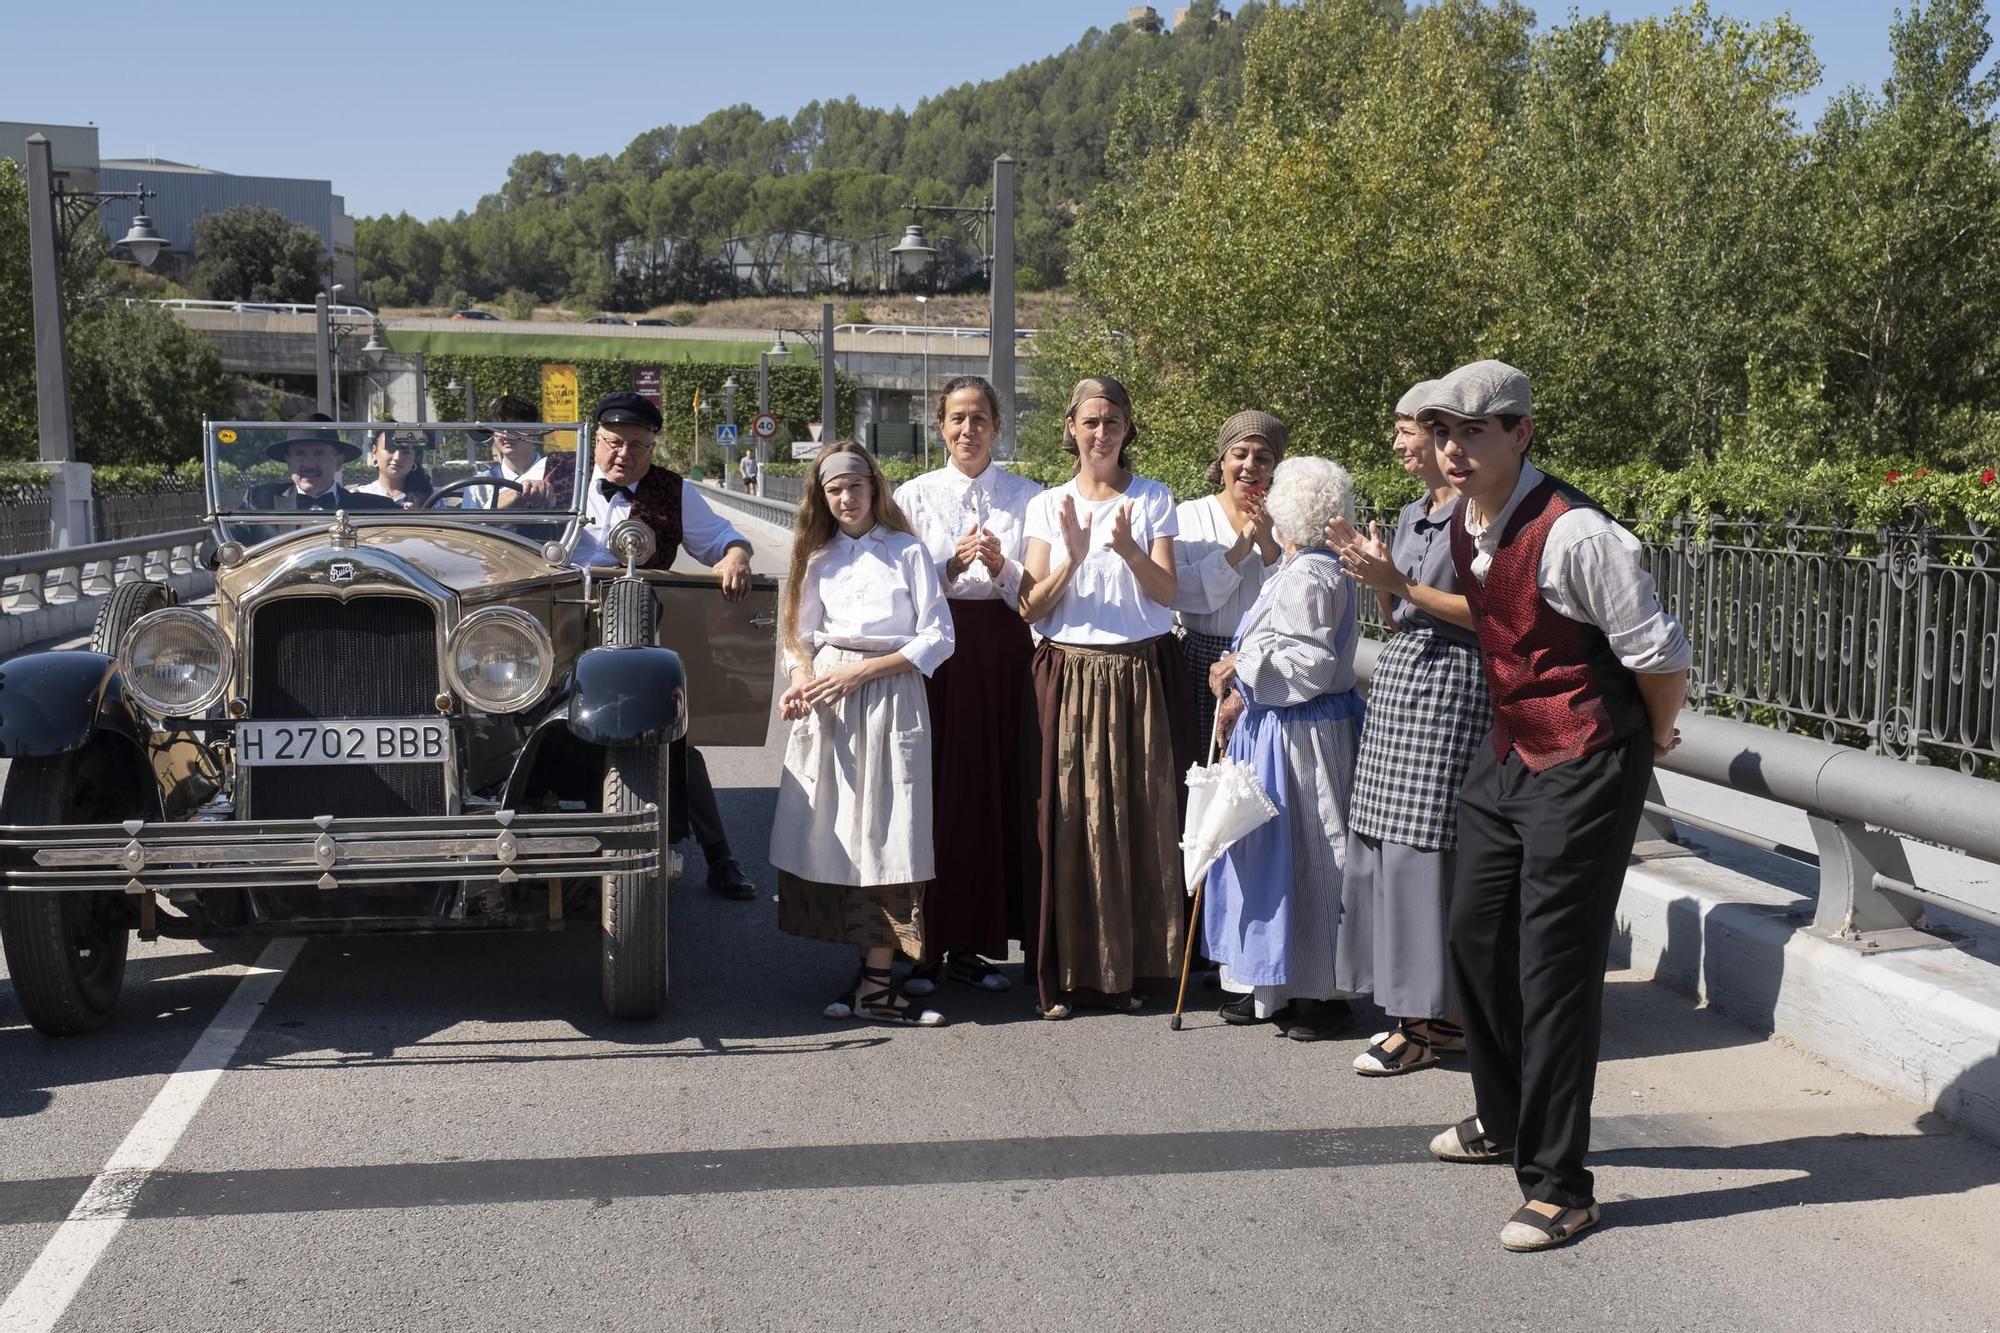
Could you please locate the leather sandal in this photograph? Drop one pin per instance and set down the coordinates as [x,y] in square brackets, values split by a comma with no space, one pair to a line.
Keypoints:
[1414,1052]
[1467,1142]
[1529,1229]
[883,1005]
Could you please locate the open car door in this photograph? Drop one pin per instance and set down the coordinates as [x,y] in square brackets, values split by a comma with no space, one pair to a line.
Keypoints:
[729,651]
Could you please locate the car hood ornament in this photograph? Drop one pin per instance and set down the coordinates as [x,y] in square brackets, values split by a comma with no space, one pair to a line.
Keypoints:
[342,535]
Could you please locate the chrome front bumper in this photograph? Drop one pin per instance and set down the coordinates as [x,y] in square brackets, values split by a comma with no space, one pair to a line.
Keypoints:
[327,853]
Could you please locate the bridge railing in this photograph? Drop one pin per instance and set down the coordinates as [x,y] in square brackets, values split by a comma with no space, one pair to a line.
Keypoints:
[926,330]
[38,580]
[252,307]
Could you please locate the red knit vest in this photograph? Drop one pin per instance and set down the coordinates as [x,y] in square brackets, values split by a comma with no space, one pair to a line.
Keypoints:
[1559,692]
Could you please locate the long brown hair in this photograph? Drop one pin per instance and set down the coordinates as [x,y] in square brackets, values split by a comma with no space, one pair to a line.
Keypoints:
[815,526]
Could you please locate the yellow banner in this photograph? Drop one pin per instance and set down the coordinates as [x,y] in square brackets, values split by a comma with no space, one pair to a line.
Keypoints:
[559,403]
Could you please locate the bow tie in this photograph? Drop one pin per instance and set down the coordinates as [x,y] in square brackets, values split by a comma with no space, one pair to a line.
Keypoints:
[610,489]
[325,500]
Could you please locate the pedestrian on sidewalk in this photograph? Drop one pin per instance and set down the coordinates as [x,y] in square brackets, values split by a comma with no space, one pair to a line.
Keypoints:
[1223,550]
[1101,582]
[1586,673]
[1271,914]
[1427,717]
[971,514]
[862,622]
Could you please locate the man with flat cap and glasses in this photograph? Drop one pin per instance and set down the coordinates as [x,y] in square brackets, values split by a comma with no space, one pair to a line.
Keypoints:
[625,483]
[1587,673]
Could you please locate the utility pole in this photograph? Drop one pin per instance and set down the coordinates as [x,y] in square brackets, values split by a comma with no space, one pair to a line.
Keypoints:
[1000,324]
[69,480]
[829,430]
[323,355]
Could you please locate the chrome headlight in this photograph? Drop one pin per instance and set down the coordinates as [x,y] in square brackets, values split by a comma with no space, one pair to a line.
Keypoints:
[175,662]
[501,659]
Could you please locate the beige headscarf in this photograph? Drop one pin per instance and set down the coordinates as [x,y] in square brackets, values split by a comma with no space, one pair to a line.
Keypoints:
[1100,386]
[1241,427]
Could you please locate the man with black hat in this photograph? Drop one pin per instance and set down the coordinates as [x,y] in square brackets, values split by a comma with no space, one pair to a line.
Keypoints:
[314,458]
[1587,673]
[624,484]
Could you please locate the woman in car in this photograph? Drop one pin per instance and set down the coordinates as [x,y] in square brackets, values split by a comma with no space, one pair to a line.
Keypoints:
[863,621]
[1101,584]
[397,476]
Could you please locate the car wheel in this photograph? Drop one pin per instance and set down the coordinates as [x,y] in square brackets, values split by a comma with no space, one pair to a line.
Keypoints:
[635,904]
[127,602]
[66,951]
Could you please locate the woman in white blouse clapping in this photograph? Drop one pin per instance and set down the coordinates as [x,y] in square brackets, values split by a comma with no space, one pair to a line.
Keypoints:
[863,614]
[971,515]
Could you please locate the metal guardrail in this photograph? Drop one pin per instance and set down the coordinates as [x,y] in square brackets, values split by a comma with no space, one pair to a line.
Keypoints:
[253,307]
[926,330]
[1860,807]
[40,579]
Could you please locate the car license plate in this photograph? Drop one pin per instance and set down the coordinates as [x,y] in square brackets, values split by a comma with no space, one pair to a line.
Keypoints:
[354,741]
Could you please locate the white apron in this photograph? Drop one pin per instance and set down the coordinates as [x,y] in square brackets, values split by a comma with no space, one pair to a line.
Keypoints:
[854,801]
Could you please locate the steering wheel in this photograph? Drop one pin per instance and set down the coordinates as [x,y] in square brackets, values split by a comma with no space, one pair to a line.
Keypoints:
[466,484]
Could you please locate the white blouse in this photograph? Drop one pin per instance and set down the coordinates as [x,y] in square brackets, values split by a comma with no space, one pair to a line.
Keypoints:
[1103,603]
[1214,595]
[876,593]
[946,504]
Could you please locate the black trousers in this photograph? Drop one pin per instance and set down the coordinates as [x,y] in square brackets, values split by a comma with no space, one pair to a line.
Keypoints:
[704,819]
[1541,860]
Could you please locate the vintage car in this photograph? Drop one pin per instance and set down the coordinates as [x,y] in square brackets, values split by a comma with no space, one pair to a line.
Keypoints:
[383,719]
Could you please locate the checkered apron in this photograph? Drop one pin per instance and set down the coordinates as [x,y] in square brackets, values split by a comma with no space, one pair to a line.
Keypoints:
[1427,716]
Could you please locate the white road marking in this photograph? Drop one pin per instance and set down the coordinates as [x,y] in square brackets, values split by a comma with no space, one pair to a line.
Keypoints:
[51,1283]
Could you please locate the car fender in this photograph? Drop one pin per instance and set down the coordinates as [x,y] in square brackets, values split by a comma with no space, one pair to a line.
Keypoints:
[51,703]
[628,696]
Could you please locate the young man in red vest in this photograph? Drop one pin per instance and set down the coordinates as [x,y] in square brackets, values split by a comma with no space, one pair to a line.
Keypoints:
[1587,674]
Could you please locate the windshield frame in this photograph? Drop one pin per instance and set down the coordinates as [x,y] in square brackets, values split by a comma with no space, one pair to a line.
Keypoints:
[236,522]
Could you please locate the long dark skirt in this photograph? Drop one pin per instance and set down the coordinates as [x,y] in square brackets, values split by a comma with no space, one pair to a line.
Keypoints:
[981,816]
[1112,915]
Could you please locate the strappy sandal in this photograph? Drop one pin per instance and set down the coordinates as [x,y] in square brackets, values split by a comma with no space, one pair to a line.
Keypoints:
[969,969]
[1529,1230]
[1416,1051]
[884,1005]
[1467,1142]
[922,980]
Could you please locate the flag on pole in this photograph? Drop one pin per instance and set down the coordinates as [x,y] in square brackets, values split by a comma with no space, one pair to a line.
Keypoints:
[697,399]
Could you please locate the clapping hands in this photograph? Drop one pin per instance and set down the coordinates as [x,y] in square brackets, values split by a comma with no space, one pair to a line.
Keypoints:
[977,546]
[1366,558]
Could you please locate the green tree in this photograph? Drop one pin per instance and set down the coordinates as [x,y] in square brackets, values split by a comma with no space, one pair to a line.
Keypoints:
[254,253]
[1907,190]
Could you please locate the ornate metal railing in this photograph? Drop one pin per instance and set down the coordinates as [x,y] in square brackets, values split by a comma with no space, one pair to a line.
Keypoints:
[1886,639]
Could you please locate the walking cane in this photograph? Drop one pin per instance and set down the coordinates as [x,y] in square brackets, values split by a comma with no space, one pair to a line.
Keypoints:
[1187,953]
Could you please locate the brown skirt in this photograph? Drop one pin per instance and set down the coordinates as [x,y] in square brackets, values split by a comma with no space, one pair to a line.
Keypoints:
[867,916]
[1113,912]
[982,813]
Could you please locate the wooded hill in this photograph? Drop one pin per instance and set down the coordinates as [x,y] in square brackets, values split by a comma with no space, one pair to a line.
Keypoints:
[651,225]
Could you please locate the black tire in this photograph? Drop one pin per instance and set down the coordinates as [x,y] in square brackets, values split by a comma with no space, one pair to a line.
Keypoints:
[631,614]
[127,602]
[66,951]
[634,909]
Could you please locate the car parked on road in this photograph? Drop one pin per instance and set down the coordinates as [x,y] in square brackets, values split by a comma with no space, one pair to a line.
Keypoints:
[383,719]
[607,319]
[473,314]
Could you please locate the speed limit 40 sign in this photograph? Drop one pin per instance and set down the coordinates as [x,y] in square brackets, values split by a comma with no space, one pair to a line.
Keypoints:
[764,425]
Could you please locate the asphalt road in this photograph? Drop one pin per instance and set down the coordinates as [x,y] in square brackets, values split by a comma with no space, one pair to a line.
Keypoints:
[444,1132]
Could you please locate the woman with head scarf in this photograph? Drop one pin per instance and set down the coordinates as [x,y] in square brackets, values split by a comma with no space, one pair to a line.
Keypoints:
[1224,547]
[1427,714]
[1272,910]
[863,620]
[1101,584]
[971,515]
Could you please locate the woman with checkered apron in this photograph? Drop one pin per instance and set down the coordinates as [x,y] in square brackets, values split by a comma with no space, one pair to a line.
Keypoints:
[1427,713]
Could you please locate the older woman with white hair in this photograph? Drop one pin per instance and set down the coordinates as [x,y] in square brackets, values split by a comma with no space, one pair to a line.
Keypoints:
[1288,698]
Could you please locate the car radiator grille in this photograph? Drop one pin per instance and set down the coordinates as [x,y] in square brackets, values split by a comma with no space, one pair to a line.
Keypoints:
[316,657]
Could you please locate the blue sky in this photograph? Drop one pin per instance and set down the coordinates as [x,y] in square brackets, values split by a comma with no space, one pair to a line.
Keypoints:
[420,105]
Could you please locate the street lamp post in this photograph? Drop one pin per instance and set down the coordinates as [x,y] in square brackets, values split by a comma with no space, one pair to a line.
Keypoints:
[728,415]
[924,403]
[996,217]
[55,213]
[829,421]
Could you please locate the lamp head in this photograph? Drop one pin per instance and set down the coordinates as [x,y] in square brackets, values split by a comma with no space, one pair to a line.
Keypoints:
[913,252]
[142,241]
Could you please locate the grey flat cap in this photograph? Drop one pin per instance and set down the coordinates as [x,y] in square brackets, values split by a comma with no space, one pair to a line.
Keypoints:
[1412,402]
[1481,389]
